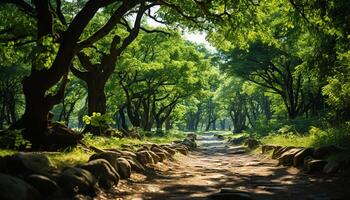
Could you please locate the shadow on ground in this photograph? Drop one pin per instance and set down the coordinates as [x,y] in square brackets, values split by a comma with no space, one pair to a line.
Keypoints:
[214,166]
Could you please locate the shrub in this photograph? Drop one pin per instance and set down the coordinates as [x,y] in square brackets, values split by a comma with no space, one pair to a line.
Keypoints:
[13,139]
[98,120]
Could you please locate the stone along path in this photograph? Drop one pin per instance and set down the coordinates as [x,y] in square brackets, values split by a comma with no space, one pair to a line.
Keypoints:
[215,166]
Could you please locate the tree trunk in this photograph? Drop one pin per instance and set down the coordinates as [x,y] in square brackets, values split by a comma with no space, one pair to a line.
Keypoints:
[159,125]
[35,117]
[96,100]
[168,124]
[122,122]
[214,125]
[208,126]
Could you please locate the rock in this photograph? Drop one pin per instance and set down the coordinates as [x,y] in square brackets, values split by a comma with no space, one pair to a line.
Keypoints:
[325,151]
[122,152]
[298,159]
[279,151]
[135,165]
[155,157]
[77,181]
[144,157]
[287,157]
[191,136]
[183,150]
[157,149]
[169,150]
[103,171]
[228,193]
[331,167]
[313,166]
[43,184]
[252,143]
[267,148]
[238,140]
[161,153]
[162,156]
[12,188]
[110,156]
[61,137]
[27,163]
[190,144]
[124,168]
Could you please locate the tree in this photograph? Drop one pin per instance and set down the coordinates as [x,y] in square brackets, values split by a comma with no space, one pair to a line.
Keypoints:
[55,49]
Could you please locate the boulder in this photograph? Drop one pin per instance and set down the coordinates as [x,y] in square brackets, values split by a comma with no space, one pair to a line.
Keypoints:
[124,168]
[238,140]
[77,181]
[122,152]
[155,157]
[144,157]
[103,171]
[287,157]
[27,163]
[162,156]
[325,151]
[279,151]
[298,159]
[252,143]
[161,153]
[61,137]
[12,188]
[183,150]
[43,184]
[136,165]
[110,156]
[331,167]
[313,166]
[192,136]
[169,150]
[188,143]
[157,149]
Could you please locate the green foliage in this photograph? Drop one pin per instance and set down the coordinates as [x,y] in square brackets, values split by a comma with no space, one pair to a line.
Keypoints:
[314,137]
[98,120]
[45,53]
[13,139]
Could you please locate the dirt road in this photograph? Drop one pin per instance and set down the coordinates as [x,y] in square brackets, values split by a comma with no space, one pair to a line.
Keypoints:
[215,165]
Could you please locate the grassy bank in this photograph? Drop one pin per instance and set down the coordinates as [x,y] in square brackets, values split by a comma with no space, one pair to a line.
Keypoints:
[315,137]
[80,154]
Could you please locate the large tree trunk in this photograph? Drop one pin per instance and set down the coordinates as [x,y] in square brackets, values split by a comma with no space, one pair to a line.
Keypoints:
[35,117]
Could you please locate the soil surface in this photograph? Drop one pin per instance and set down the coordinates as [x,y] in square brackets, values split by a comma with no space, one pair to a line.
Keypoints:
[215,165]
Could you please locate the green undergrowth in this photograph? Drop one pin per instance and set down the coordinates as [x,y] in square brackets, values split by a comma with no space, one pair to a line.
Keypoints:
[315,137]
[80,154]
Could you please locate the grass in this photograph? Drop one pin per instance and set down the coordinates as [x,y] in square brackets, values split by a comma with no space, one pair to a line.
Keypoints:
[79,154]
[288,140]
[315,137]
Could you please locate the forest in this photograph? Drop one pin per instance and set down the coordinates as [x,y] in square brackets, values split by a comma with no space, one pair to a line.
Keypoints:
[78,73]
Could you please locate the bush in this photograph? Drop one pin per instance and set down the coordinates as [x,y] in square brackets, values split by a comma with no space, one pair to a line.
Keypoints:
[98,120]
[13,139]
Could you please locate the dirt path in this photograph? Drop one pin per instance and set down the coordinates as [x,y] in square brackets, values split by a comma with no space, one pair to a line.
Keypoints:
[216,166]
